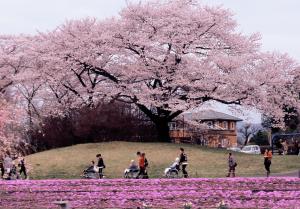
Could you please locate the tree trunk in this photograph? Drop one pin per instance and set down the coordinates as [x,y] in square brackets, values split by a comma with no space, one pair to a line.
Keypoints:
[160,118]
[246,141]
[162,128]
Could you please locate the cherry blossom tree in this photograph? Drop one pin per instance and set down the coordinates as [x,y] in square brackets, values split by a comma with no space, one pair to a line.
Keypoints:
[181,54]
[5,143]
[10,129]
[75,58]
[164,57]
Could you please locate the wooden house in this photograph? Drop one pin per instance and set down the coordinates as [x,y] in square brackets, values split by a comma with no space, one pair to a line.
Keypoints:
[209,128]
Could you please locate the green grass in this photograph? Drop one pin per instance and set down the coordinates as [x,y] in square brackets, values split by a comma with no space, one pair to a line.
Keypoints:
[69,162]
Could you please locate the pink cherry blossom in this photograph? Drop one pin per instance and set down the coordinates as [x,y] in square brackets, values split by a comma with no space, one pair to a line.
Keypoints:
[163,57]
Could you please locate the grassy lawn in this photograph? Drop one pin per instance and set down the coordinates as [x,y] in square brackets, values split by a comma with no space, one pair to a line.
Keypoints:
[69,162]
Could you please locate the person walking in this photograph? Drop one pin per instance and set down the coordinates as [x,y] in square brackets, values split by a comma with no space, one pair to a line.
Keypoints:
[22,168]
[141,160]
[183,162]
[285,147]
[231,165]
[146,164]
[100,165]
[267,161]
[1,168]
[7,163]
[296,147]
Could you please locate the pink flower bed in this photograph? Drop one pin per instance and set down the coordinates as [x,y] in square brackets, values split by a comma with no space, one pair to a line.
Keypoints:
[159,193]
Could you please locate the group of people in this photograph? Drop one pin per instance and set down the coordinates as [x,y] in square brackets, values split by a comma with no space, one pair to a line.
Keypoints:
[180,163]
[284,147]
[9,167]
[141,167]
[96,168]
[232,164]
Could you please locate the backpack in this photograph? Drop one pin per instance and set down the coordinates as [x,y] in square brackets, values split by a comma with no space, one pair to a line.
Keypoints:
[146,163]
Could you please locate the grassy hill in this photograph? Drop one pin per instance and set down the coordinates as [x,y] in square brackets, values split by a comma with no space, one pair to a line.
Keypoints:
[69,162]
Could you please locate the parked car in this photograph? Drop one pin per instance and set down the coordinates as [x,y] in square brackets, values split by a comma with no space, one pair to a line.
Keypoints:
[251,149]
[235,149]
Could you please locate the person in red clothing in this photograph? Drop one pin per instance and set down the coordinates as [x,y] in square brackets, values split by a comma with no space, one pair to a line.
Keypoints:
[146,164]
[141,161]
[267,161]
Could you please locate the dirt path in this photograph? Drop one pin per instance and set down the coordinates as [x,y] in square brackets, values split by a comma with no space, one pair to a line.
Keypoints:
[295,173]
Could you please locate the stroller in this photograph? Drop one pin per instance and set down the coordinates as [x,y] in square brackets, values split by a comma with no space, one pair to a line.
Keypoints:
[173,170]
[91,172]
[10,173]
[131,172]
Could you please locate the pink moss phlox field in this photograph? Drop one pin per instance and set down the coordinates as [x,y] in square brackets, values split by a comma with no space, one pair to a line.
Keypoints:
[159,193]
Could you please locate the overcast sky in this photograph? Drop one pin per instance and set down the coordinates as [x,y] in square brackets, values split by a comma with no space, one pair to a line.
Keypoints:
[277,20]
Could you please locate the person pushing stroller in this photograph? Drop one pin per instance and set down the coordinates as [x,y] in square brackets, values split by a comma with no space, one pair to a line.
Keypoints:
[183,162]
[143,164]
[100,165]
[137,171]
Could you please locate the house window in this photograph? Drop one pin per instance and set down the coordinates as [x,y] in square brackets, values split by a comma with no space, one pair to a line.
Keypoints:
[172,126]
[225,125]
[232,125]
[210,124]
[224,142]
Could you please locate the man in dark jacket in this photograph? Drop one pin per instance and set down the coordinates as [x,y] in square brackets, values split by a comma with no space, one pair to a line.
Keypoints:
[231,165]
[183,162]
[296,145]
[1,168]
[23,167]
[100,165]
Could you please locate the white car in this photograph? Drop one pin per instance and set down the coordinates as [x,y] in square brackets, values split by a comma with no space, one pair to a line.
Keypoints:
[235,149]
[251,149]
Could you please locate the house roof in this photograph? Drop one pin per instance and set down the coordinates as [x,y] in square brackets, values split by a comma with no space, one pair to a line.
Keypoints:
[210,115]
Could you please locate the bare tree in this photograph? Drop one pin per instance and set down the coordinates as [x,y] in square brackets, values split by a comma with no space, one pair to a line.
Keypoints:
[247,131]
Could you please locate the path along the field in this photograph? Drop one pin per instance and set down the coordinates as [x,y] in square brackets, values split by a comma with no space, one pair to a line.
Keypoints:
[159,193]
